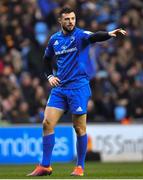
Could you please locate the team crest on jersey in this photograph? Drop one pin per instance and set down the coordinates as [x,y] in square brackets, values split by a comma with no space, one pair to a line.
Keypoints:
[72,39]
[64,47]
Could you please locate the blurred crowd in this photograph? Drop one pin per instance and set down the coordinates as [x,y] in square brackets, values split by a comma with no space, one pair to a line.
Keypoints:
[117,87]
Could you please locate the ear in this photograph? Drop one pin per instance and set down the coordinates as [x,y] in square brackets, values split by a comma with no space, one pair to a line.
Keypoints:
[59,20]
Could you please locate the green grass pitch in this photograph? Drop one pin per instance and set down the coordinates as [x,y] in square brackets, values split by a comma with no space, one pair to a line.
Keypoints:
[92,171]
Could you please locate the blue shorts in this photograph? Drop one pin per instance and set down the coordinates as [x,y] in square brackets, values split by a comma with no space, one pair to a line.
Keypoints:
[74,100]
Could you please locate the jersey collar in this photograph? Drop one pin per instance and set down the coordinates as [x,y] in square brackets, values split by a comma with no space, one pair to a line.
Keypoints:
[70,33]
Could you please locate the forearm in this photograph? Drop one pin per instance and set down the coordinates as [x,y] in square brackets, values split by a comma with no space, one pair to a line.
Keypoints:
[47,67]
[99,36]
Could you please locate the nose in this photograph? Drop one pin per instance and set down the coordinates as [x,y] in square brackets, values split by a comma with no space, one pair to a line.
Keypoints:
[70,21]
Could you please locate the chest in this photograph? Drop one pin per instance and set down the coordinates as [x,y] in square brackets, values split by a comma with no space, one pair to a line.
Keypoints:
[65,45]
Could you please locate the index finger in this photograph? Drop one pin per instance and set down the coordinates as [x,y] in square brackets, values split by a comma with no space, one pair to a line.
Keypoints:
[57,79]
[123,32]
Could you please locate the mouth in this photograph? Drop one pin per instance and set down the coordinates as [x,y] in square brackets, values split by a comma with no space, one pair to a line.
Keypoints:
[70,25]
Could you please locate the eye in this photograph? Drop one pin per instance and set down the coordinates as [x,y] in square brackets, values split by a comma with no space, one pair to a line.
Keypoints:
[66,19]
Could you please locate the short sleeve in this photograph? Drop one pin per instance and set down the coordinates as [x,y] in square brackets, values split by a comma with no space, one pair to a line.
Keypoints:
[86,34]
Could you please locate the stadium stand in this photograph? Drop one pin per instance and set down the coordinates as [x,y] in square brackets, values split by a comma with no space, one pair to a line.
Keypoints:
[117,87]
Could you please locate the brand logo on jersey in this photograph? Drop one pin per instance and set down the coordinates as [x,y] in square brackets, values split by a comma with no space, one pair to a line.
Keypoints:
[79,109]
[56,43]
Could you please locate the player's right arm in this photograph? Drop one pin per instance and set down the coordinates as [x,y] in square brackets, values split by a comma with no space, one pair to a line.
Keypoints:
[47,65]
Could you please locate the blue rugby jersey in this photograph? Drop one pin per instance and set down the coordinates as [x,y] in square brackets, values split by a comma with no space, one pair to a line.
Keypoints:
[72,56]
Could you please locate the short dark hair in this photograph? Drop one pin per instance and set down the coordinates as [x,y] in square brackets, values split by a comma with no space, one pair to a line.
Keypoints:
[66,10]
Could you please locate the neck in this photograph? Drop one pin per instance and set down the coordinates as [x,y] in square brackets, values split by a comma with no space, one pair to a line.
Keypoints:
[64,31]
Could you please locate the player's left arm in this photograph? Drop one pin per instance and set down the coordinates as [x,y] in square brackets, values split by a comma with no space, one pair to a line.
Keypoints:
[103,35]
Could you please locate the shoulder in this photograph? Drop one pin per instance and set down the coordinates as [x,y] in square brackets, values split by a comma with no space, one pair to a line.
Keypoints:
[83,32]
[54,36]
[87,32]
[79,30]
